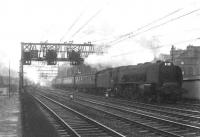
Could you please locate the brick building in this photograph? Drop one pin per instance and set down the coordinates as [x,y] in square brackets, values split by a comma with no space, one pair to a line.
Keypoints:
[188,60]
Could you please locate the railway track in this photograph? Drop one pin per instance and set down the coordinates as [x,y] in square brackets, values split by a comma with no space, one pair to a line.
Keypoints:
[189,105]
[180,115]
[58,125]
[75,123]
[182,106]
[151,124]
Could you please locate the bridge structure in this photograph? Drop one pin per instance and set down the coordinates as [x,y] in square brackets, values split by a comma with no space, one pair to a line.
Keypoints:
[52,53]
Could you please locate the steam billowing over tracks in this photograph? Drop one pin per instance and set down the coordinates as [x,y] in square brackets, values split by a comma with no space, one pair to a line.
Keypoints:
[134,119]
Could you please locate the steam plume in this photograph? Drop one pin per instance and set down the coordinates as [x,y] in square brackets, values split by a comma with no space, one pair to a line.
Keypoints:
[126,53]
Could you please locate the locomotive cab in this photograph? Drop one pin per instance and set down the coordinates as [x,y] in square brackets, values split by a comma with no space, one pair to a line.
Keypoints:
[169,74]
[164,73]
[170,81]
[165,81]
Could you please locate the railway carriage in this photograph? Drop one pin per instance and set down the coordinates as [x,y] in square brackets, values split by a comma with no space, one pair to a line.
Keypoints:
[57,83]
[68,82]
[85,82]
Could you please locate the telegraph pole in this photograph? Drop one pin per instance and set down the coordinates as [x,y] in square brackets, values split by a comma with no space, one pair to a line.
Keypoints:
[172,53]
[21,71]
[9,80]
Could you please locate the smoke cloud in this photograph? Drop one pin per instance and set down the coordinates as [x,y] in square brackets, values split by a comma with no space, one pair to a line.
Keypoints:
[152,44]
[139,51]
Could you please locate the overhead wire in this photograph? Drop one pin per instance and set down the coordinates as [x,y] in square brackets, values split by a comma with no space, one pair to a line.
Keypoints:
[130,35]
[151,28]
[165,45]
[154,21]
[72,25]
[180,42]
[86,23]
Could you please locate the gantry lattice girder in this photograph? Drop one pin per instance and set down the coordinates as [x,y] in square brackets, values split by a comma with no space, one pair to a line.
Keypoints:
[51,53]
[39,50]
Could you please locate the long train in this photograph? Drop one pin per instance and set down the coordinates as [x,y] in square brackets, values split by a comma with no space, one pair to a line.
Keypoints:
[158,82]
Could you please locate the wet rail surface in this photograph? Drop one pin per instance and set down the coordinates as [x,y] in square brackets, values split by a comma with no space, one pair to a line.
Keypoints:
[157,121]
[141,128]
[179,125]
[151,124]
[181,113]
[75,123]
[180,106]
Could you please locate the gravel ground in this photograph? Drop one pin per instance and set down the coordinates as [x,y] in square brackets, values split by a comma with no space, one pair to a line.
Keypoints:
[35,123]
[10,116]
[128,130]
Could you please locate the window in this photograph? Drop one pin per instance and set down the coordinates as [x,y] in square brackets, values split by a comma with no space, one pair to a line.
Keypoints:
[182,63]
[197,71]
[190,71]
[167,64]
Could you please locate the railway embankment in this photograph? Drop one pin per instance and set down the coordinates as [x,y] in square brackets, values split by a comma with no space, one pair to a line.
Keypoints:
[34,122]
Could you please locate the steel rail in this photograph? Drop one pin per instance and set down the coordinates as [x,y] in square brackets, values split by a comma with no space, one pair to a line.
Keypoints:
[105,128]
[156,130]
[67,126]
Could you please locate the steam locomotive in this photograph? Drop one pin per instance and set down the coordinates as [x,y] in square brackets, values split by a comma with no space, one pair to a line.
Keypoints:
[158,82]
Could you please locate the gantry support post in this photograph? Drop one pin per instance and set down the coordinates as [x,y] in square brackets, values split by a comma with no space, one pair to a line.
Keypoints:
[21,71]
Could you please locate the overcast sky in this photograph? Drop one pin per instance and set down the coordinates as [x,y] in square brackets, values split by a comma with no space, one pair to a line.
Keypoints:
[99,21]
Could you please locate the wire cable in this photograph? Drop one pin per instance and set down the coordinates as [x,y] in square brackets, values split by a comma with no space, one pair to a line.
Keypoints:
[73,24]
[130,52]
[151,28]
[153,22]
[86,23]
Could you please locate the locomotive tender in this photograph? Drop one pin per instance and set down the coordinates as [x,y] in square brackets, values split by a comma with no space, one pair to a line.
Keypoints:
[160,81]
